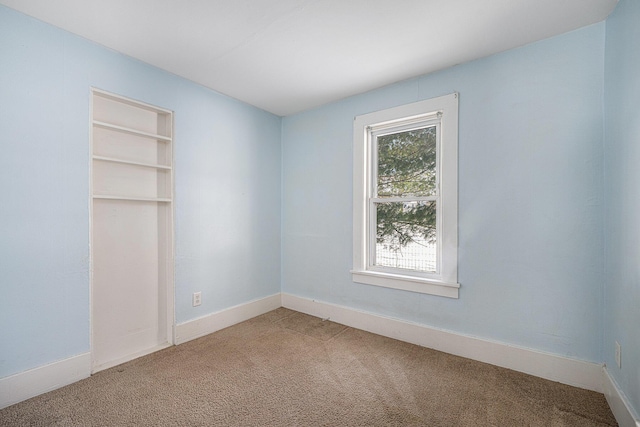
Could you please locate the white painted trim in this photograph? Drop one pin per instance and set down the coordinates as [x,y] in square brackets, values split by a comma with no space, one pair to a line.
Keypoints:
[223,319]
[130,101]
[445,108]
[407,283]
[553,367]
[169,293]
[31,383]
[28,384]
[618,402]
[588,375]
[129,357]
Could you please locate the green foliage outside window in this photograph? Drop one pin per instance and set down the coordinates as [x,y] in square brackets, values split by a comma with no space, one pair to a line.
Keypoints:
[406,168]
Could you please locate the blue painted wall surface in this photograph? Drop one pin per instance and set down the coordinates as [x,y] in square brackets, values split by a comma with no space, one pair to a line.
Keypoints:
[530,199]
[227,180]
[622,189]
[264,204]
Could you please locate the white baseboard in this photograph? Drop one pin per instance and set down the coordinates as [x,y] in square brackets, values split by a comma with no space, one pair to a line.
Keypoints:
[591,376]
[223,319]
[128,357]
[28,384]
[618,402]
[573,372]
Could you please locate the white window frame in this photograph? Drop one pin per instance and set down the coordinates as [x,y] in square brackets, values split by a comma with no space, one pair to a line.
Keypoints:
[443,112]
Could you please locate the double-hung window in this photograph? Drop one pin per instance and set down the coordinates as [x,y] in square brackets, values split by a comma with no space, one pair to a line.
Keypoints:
[405,188]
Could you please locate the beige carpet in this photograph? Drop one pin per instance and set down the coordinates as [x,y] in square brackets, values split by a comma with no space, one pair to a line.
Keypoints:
[288,369]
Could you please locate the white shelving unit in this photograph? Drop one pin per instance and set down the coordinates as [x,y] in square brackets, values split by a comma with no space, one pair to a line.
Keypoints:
[131,229]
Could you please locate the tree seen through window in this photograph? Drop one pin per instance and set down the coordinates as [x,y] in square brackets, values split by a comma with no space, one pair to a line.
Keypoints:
[406,176]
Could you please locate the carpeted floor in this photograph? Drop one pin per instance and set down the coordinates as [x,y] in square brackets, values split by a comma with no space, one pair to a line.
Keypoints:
[288,369]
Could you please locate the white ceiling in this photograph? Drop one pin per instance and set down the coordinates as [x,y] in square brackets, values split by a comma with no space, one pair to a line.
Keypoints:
[286,56]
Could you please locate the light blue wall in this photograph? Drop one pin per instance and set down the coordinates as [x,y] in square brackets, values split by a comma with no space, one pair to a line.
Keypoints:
[622,189]
[530,199]
[531,218]
[227,170]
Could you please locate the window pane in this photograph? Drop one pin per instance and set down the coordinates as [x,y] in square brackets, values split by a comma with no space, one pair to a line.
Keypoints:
[406,235]
[407,163]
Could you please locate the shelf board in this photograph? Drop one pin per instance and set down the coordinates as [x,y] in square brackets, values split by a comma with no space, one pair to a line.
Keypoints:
[117,128]
[130,102]
[132,198]
[129,162]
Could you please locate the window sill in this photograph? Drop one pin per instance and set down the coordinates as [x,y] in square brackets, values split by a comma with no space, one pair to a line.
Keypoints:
[407,283]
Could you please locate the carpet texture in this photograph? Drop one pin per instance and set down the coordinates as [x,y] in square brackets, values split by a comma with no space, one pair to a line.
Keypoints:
[286,368]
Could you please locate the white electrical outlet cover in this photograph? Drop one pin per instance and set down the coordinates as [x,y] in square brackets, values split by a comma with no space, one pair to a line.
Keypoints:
[197,299]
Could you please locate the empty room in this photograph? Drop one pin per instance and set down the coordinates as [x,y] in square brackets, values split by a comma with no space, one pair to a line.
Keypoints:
[320,212]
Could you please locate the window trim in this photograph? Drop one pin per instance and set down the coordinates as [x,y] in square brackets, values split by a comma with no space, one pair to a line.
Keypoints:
[445,281]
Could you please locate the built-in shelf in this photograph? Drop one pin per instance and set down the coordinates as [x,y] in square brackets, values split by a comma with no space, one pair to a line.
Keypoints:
[131,131]
[134,199]
[129,162]
[131,229]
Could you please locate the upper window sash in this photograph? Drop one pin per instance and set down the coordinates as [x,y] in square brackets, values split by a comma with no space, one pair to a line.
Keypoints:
[374,132]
